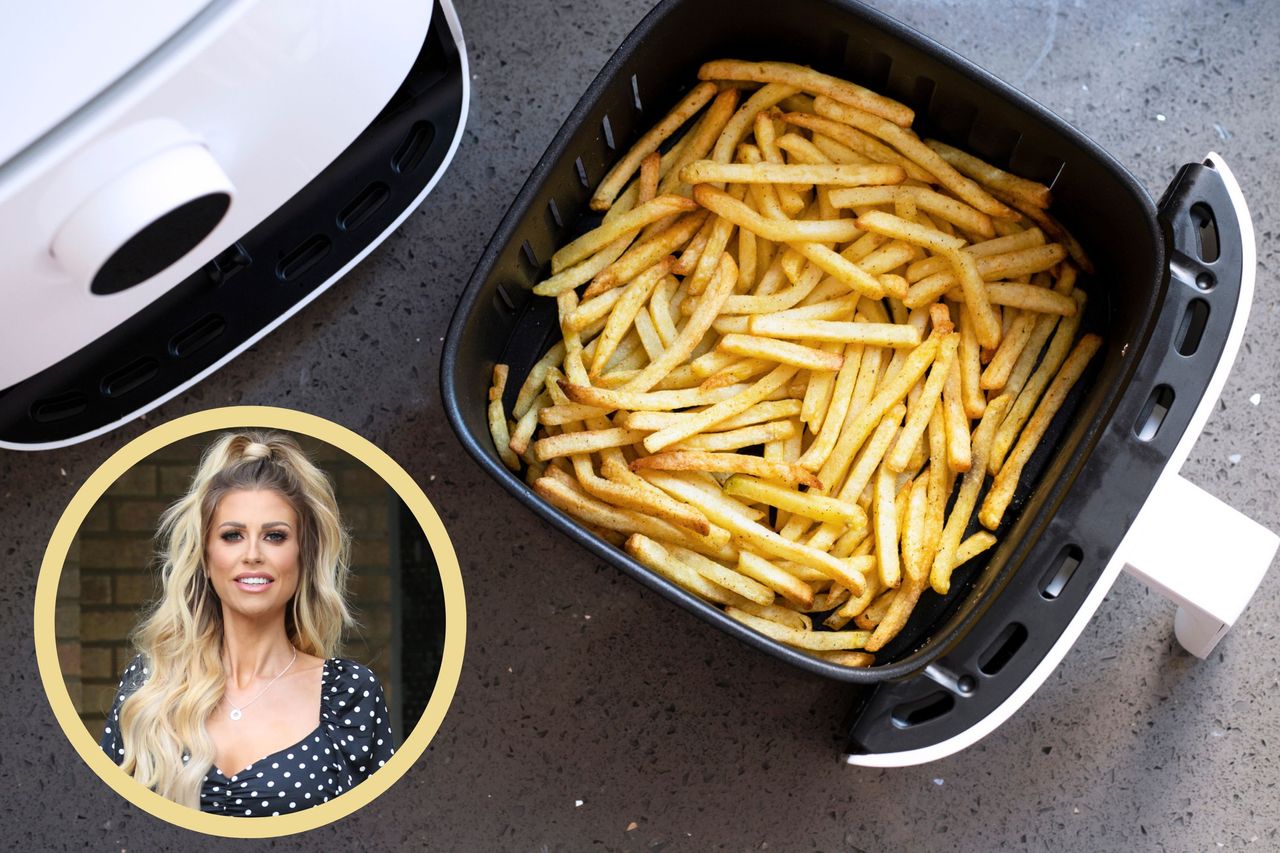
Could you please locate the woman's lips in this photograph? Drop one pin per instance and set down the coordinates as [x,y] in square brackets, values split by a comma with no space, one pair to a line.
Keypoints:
[253,582]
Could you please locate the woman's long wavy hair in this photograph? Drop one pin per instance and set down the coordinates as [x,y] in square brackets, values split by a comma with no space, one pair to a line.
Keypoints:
[181,638]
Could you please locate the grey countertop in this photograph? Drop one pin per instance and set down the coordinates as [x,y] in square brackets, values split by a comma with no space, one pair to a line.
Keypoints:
[593,715]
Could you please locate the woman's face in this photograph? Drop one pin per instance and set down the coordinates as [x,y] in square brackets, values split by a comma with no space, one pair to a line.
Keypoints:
[251,552]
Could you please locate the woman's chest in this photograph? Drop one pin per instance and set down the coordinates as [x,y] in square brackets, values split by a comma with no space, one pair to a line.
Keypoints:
[300,776]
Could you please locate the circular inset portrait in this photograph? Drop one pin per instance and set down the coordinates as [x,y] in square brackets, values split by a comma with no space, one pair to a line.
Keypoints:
[262,619]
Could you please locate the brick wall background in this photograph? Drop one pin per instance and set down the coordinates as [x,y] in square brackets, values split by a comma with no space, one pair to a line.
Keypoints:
[111,574]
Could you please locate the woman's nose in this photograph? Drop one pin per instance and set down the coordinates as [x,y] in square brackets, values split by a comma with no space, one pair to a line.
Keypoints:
[251,553]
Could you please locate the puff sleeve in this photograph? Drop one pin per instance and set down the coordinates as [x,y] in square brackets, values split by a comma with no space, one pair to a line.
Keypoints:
[354,713]
[132,678]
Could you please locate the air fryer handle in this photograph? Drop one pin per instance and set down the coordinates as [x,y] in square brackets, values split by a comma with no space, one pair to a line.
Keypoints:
[1183,532]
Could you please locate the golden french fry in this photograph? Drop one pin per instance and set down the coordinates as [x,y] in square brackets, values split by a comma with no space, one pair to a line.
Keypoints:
[864,148]
[807,504]
[709,171]
[662,562]
[781,231]
[1025,297]
[528,423]
[747,436]
[622,171]
[921,409]
[986,325]
[871,334]
[736,463]
[631,301]
[970,367]
[911,147]
[780,352]
[720,510]
[816,640]
[894,227]
[646,253]
[736,128]
[498,419]
[587,441]
[997,371]
[973,546]
[886,528]
[1001,493]
[962,510]
[759,413]
[627,224]
[949,209]
[806,79]
[784,583]
[1031,192]
[1052,227]
[959,450]
[847,658]
[722,410]
[738,582]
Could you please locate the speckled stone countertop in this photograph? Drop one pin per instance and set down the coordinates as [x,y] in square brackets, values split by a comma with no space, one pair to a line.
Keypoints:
[593,715]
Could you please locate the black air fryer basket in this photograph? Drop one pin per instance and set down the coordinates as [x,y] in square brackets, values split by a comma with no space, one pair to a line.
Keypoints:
[1164,298]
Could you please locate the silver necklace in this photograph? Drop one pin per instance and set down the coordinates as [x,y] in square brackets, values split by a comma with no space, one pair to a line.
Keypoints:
[238,712]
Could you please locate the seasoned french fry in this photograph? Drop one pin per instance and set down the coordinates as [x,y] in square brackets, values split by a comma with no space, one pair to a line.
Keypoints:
[498,419]
[808,80]
[617,177]
[1029,191]
[709,171]
[807,504]
[736,439]
[1006,481]
[698,460]
[962,510]
[780,352]
[871,334]
[817,640]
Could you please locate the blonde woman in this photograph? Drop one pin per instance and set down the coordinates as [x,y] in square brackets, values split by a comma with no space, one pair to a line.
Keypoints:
[235,704]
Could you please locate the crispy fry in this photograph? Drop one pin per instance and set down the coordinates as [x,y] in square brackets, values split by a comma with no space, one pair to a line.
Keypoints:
[698,460]
[807,504]
[622,171]
[784,583]
[1006,481]
[661,561]
[498,419]
[962,510]
[1031,192]
[781,352]
[736,439]
[808,80]
[782,231]
[817,640]
[709,171]
[921,409]
[629,223]
[870,334]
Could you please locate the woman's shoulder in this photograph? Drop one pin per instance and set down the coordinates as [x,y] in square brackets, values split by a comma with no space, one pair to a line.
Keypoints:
[346,683]
[134,674]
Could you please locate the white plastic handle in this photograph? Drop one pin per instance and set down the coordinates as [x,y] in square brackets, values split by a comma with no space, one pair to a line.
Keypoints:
[1200,553]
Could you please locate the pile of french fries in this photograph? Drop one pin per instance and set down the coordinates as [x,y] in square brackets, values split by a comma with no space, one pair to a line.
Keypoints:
[796,328]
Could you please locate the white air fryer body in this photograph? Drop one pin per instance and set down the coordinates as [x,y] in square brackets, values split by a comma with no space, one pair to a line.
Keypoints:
[200,118]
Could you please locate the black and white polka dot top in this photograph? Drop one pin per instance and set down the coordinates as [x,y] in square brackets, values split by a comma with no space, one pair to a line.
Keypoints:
[351,740]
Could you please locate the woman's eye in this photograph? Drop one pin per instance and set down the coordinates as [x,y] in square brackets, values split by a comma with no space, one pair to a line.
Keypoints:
[276,536]
[231,536]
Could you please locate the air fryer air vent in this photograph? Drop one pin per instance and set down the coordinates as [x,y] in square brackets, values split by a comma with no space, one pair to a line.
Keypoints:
[218,310]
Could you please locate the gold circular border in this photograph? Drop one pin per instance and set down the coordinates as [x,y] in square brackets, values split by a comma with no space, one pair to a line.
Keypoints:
[234,417]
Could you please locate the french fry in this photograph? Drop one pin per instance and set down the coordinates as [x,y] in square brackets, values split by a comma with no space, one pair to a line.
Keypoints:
[817,640]
[698,460]
[662,562]
[617,177]
[962,510]
[629,223]
[709,171]
[956,212]
[781,231]
[921,409]
[870,334]
[1001,493]
[1031,192]
[780,352]
[808,80]
[886,528]
[498,419]
[588,441]
[785,584]
[736,439]
[810,505]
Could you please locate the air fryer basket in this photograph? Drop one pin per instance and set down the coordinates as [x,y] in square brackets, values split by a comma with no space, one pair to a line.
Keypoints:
[1092,473]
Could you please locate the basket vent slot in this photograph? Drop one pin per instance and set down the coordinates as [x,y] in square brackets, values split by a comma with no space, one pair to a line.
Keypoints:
[1055,580]
[502,300]
[1153,413]
[923,710]
[837,47]
[414,147]
[635,94]
[307,254]
[1191,330]
[59,407]
[133,375]
[197,335]
[608,133]
[1207,229]
[363,206]
[581,169]
[530,256]
[554,211]
[1000,652]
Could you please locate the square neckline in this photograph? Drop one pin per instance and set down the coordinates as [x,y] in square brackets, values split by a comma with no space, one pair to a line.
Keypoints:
[324,679]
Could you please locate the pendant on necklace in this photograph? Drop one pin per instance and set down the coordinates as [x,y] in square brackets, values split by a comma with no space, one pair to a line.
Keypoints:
[235,714]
